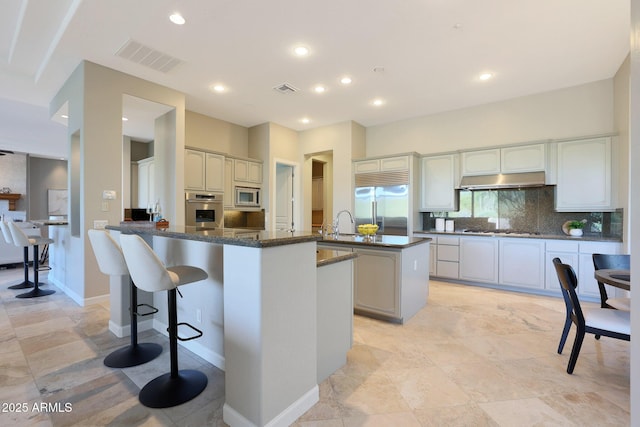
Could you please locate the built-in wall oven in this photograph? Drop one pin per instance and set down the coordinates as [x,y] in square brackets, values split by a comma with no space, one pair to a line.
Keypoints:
[204,210]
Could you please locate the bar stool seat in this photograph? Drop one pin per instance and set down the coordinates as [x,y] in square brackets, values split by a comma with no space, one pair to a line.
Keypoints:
[26,284]
[111,262]
[21,239]
[149,274]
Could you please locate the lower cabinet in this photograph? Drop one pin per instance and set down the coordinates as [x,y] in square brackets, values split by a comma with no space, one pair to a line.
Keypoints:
[479,259]
[522,263]
[377,278]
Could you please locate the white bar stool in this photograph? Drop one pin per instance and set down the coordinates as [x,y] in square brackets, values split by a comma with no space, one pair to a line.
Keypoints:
[21,239]
[149,274]
[111,262]
[26,284]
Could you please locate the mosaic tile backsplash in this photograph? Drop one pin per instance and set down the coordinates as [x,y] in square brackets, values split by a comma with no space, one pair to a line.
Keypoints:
[529,209]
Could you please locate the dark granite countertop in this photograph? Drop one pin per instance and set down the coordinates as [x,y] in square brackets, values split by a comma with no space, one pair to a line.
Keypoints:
[586,237]
[328,256]
[395,242]
[225,236]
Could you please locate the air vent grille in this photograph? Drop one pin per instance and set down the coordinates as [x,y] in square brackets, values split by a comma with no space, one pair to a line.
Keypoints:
[285,88]
[149,57]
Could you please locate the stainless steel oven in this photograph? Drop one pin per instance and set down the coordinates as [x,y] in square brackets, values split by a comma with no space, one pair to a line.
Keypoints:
[204,210]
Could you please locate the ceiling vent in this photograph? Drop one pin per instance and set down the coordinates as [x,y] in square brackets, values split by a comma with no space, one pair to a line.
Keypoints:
[147,56]
[286,88]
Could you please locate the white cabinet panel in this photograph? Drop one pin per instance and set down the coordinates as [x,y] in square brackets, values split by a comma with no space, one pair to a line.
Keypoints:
[479,259]
[394,163]
[365,166]
[247,171]
[587,284]
[551,282]
[448,253]
[525,158]
[439,180]
[522,263]
[228,183]
[146,183]
[255,172]
[484,162]
[584,176]
[214,172]
[377,278]
[194,170]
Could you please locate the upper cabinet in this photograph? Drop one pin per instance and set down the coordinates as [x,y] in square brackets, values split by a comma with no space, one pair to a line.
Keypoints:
[382,165]
[439,179]
[203,171]
[585,181]
[247,171]
[516,159]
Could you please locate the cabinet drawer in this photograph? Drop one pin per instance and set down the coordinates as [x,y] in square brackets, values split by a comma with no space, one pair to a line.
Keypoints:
[453,241]
[448,253]
[560,246]
[447,269]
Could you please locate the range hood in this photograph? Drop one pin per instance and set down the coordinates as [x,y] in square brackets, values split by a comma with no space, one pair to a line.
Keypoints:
[507,180]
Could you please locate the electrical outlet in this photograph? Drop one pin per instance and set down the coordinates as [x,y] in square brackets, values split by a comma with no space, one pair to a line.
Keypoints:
[198,315]
[100,224]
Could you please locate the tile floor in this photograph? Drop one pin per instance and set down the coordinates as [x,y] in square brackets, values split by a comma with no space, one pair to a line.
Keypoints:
[472,357]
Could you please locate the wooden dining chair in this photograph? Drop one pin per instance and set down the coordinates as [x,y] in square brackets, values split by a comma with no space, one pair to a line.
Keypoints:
[598,321]
[613,262]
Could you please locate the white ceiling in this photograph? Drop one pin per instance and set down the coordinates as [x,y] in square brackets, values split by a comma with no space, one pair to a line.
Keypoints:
[432,52]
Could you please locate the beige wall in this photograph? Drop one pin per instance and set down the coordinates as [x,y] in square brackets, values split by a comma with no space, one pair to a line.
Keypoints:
[621,124]
[208,133]
[577,111]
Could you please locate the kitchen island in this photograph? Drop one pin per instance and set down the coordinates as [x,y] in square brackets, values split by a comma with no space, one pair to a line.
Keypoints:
[258,309]
[391,274]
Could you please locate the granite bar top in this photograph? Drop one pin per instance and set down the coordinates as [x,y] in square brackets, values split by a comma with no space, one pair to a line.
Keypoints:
[225,236]
[379,241]
[328,256]
[585,237]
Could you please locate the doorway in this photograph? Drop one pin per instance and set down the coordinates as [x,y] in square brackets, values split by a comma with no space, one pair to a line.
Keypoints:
[284,198]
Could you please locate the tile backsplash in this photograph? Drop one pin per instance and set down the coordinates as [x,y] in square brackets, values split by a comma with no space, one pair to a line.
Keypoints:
[529,209]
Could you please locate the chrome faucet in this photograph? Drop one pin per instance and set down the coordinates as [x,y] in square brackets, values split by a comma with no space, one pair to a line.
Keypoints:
[336,223]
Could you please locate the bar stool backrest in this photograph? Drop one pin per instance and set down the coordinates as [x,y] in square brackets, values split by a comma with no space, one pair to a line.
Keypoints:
[108,253]
[6,232]
[146,269]
[19,237]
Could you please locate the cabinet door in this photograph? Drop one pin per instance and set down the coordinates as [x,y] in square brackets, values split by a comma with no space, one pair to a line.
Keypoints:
[254,173]
[240,170]
[194,167]
[214,172]
[146,183]
[587,283]
[376,281]
[479,259]
[394,163]
[522,263]
[484,162]
[365,166]
[551,277]
[526,158]
[228,183]
[438,183]
[584,175]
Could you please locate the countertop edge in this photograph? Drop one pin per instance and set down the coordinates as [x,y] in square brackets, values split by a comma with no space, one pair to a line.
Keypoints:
[584,238]
[338,256]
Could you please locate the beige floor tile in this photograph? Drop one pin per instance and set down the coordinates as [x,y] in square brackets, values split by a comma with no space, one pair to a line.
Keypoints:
[55,358]
[404,419]
[587,409]
[525,412]
[455,416]
[428,388]
[48,326]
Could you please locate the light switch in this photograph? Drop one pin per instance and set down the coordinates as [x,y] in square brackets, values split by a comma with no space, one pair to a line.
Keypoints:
[104,206]
[108,195]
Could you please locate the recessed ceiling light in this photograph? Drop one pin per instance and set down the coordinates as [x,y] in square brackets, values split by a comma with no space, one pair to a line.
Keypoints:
[177,19]
[346,80]
[218,88]
[305,120]
[124,119]
[301,51]
[377,102]
[64,116]
[319,89]
[486,76]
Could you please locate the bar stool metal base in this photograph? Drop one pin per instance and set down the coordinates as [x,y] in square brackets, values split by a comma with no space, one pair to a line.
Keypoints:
[166,391]
[37,292]
[23,285]
[133,355]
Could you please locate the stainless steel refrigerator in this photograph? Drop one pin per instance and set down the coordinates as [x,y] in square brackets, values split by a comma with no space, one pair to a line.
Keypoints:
[385,205]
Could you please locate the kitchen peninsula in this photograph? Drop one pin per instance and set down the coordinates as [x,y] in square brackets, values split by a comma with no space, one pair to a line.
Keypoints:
[259,323]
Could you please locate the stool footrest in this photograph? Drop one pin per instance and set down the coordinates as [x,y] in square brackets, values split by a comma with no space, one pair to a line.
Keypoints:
[198,335]
[152,308]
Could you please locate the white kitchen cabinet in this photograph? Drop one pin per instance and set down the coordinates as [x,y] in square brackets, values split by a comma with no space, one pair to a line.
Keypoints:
[584,176]
[194,169]
[522,263]
[382,165]
[247,171]
[439,179]
[479,259]
[482,162]
[567,251]
[146,183]
[228,200]
[214,172]
[448,257]
[523,158]
[587,283]
[377,278]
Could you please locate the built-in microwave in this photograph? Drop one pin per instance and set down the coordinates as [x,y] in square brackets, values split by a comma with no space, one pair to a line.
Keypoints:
[247,197]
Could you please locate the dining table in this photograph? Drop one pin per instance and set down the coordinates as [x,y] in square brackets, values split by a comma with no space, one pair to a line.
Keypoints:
[618,278]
